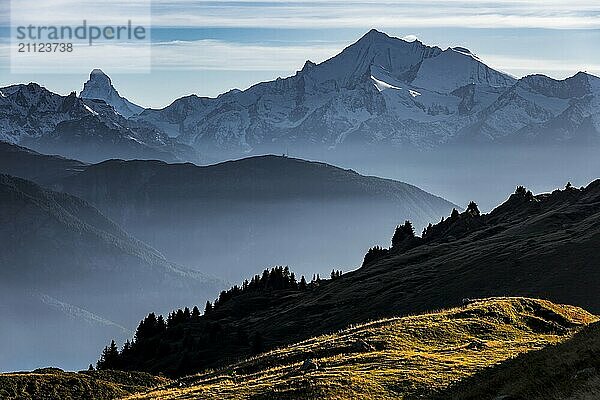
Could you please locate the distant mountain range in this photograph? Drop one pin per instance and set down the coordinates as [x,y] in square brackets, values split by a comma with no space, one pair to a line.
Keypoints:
[264,210]
[86,129]
[378,91]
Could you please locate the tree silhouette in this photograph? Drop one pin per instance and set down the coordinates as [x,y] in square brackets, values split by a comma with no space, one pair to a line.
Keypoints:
[473,210]
[208,308]
[109,358]
[187,332]
[373,254]
[302,285]
[195,313]
[402,233]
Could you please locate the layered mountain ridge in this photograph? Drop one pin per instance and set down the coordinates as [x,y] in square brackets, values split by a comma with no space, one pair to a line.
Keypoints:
[272,209]
[71,273]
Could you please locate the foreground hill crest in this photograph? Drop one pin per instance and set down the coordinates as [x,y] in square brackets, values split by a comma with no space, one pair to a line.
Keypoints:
[410,357]
[529,246]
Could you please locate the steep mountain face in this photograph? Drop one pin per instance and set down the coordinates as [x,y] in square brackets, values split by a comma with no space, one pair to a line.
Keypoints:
[32,111]
[544,246]
[383,90]
[70,278]
[90,130]
[100,87]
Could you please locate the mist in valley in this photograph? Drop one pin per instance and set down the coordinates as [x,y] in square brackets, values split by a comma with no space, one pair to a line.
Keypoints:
[485,174]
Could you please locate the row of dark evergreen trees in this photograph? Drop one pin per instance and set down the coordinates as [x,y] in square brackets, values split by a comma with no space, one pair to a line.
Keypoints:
[406,233]
[188,331]
[405,237]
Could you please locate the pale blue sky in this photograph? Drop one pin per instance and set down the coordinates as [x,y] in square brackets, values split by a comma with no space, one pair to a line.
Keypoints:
[209,47]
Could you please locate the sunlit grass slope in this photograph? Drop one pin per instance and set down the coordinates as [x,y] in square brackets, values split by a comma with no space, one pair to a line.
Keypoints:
[399,358]
[54,384]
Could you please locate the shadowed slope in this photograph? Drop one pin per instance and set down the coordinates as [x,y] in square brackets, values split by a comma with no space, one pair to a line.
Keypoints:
[544,246]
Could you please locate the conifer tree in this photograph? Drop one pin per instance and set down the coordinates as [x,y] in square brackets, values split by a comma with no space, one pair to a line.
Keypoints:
[402,233]
[109,357]
[473,210]
[195,313]
[302,285]
[208,309]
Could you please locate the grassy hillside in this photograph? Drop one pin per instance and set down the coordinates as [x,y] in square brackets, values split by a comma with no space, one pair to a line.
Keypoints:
[54,384]
[410,357]
[568,370]
[542,246]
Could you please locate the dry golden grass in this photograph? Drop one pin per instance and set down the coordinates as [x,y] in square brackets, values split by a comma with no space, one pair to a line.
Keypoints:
[410,357]
[54,384]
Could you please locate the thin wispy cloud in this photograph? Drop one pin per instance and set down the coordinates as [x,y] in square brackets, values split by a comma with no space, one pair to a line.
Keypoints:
[218,55]
[231,56]
[549,14]
[386,14]
[198,55]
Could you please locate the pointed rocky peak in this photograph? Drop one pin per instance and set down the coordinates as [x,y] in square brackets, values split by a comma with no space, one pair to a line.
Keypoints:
[374,35]
[71,103]
[374,49]
[100,87]
[98,76]
[308,65]
[97,72]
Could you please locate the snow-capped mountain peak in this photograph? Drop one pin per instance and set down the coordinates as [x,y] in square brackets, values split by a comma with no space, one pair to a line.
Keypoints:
[100,87]
[375,48]
[380,89]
